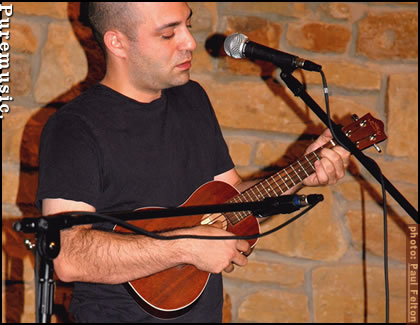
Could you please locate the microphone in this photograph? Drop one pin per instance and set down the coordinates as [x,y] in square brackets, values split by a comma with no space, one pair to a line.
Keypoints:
[286,204]
[238,46]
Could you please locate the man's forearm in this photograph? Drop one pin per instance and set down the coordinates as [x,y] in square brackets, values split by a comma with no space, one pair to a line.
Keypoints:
[89,255]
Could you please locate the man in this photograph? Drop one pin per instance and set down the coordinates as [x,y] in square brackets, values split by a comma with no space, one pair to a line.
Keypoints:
[145,136]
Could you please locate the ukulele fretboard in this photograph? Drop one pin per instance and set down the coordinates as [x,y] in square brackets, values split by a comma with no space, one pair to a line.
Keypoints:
[276,184]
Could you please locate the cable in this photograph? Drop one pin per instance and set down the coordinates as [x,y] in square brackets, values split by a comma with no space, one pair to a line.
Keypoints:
[161,237]
[384,208]
[385,220]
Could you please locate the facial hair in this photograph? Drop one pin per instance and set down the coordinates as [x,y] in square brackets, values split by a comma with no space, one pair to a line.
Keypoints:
[154,74]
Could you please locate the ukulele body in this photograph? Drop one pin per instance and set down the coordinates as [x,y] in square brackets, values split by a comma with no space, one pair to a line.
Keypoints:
[169,293]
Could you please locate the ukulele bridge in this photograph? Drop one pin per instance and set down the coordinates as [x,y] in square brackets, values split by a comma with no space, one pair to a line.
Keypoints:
[209,219]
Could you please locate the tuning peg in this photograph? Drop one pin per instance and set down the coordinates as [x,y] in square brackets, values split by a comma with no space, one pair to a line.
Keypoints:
[378,149]
[354,117]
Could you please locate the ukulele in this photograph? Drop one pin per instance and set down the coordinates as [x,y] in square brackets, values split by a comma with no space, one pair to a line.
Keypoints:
[172,292]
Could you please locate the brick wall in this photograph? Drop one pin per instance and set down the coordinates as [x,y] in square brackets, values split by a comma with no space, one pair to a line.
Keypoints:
[326,267]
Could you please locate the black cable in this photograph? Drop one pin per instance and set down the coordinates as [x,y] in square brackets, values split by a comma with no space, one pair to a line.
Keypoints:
[161,237]
[384,208]
[385,220]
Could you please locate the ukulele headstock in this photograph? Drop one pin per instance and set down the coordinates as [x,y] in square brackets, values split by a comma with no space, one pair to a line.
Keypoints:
[365,131]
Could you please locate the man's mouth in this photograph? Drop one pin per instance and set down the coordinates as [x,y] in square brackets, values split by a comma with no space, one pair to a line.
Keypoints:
[186,65]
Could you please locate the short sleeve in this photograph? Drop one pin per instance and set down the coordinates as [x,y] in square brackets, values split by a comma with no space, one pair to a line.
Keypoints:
[70,164]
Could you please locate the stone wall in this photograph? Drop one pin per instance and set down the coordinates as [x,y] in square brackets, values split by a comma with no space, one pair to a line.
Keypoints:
[328,265]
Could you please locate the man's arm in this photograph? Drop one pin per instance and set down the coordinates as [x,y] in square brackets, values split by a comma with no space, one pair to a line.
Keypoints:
[90,255]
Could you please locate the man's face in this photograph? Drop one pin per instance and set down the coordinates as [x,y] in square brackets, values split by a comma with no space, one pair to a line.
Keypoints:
[161,55]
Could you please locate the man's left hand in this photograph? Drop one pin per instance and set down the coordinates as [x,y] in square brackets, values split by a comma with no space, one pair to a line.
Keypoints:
[332,165]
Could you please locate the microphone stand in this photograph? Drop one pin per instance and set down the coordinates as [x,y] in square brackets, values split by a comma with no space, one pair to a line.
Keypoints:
[47,230]
[47,248]
[298,90]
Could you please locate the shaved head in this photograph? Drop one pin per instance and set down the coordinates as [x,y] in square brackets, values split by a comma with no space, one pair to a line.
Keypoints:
[121,16]
[158,55]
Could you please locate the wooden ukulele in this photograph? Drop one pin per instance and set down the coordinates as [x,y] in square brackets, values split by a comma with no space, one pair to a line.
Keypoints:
[172,292]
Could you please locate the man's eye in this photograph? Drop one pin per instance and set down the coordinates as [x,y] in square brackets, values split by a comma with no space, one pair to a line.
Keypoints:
[168,36]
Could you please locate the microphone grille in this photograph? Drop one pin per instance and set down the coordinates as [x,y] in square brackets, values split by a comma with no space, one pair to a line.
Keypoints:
[234,45]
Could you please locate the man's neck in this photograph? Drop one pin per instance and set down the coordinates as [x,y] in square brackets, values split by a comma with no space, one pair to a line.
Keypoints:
[125,88]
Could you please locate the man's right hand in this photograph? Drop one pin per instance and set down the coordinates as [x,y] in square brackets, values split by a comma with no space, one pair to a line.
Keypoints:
[214,256]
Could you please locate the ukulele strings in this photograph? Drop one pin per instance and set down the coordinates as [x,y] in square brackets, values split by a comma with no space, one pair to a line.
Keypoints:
[225,218]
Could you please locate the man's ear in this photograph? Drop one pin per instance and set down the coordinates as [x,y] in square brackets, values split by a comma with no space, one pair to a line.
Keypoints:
[116,43]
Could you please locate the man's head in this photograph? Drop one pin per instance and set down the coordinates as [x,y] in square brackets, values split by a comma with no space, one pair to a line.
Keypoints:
[148,44]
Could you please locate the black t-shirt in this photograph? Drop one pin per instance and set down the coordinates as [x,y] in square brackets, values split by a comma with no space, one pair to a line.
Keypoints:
[118,154]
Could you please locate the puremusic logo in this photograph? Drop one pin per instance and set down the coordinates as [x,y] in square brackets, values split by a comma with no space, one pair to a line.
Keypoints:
[5,58]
